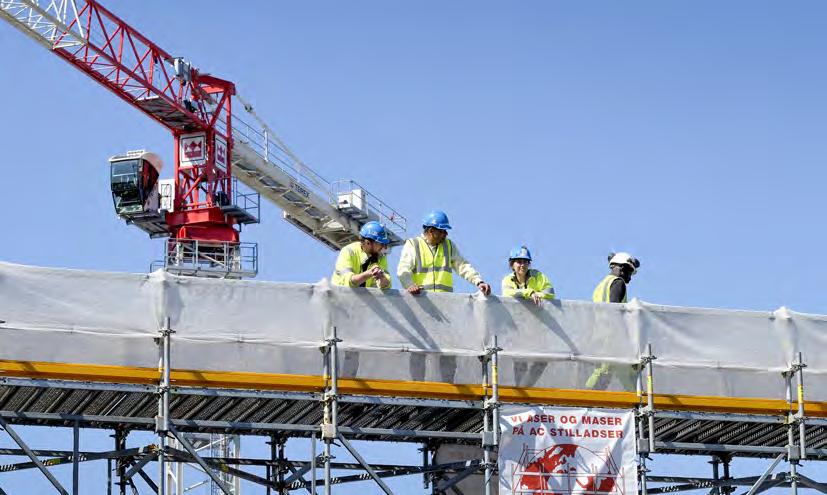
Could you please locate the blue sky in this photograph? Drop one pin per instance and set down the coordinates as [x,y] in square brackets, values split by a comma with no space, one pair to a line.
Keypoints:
[688,133]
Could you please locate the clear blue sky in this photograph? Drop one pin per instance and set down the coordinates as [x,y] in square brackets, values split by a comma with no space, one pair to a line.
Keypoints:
[688,133]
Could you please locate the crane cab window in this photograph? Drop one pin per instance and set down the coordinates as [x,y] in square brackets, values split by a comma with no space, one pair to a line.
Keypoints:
[131,183]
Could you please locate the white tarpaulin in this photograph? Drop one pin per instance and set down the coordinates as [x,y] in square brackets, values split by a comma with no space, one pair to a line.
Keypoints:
[75,316]
[567,451]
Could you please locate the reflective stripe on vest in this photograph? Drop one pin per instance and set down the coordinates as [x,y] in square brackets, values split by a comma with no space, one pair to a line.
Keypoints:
[432,269]
[603,290]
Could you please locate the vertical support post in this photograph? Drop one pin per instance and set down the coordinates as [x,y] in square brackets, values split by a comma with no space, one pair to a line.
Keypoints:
[282,464]
[162,420]
[75,460]
[426,460]
[728,489]
[646,416]
[802,430]
[648,411]
[120,466]
[716,462]
[269,468]
[313,463]
[486,421]
[491,412]
[650,399]
[795,420]
[331,405]
[109,477]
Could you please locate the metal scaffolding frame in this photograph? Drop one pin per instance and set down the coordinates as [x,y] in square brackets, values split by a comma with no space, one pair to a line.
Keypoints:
[337,419]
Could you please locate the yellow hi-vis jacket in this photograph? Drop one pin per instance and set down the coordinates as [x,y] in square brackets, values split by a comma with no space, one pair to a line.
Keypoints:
[603,289]
[536,281]
[350,261]
[432,268]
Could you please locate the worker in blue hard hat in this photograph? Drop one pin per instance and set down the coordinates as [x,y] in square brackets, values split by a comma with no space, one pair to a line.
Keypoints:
[364,263]
[523,281]
[429,261]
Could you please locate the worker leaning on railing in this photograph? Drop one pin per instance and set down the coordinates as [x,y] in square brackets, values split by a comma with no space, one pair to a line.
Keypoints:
[428,261]
[524,281]
[364,263]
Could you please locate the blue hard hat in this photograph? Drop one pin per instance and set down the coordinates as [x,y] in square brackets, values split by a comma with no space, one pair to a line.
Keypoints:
[437,219]
[520,253]
[375,231]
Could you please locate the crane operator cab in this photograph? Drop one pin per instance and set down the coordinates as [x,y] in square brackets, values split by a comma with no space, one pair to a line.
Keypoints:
[134,183]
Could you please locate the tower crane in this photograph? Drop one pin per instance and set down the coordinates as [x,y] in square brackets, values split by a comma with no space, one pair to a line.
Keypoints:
[200,209]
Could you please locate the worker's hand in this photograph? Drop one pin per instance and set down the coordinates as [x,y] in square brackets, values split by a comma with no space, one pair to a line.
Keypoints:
[484,288]
[377,272]
[414,289]
[537,298]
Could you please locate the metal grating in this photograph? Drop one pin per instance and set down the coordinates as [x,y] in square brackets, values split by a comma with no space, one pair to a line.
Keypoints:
[61,403]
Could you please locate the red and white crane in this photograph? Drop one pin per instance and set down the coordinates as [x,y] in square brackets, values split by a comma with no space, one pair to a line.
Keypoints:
[200,209]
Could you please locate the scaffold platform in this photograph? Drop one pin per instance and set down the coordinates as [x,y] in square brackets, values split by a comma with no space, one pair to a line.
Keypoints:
[175,355]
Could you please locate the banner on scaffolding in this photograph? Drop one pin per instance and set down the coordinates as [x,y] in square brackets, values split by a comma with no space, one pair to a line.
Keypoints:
[567,451]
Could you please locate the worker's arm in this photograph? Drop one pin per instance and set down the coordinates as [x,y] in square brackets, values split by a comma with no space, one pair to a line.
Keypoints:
[344,272]
[546,289]
[468,272]
[617,291]
[405,268]
[509,289]
[463,268]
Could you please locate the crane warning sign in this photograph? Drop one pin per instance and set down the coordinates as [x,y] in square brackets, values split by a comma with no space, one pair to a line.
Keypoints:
[548,450]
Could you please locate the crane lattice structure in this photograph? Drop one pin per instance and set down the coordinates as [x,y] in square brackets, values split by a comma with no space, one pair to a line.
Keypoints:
[200,210]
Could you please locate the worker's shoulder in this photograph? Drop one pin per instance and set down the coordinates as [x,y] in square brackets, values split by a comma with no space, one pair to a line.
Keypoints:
[352,247]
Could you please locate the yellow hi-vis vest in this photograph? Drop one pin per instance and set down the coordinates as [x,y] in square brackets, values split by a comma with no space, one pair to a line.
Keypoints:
[536,282]
[602,291]
[349,263]
[432,268]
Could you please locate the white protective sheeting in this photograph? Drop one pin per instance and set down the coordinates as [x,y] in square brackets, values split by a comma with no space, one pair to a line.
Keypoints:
[77,316]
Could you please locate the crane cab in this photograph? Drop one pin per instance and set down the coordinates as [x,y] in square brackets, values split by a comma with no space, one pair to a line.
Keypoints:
[133,180]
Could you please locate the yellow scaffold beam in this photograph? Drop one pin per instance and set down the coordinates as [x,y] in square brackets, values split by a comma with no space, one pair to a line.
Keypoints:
[395,388]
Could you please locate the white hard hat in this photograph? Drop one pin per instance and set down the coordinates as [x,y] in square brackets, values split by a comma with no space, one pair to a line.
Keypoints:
[624,259]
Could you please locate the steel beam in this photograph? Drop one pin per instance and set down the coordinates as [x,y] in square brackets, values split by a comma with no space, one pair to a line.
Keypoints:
[766,473]
[449,483]
[20,443]
[139,465]
[347,445]
[189,448]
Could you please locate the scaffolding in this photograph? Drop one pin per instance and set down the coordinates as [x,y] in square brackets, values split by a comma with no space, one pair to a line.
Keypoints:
[328,416]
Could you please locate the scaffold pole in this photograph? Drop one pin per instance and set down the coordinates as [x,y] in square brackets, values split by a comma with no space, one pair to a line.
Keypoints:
[75,459]
[162,420]
[331,406]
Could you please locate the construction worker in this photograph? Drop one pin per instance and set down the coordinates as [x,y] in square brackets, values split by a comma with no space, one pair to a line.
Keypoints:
[364,263]
[523,281]
[428,261]
[613,287]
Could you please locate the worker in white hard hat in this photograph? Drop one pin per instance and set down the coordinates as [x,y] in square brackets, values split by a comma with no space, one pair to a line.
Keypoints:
[524,281]
[428,262]
[612,289]
[364,263]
